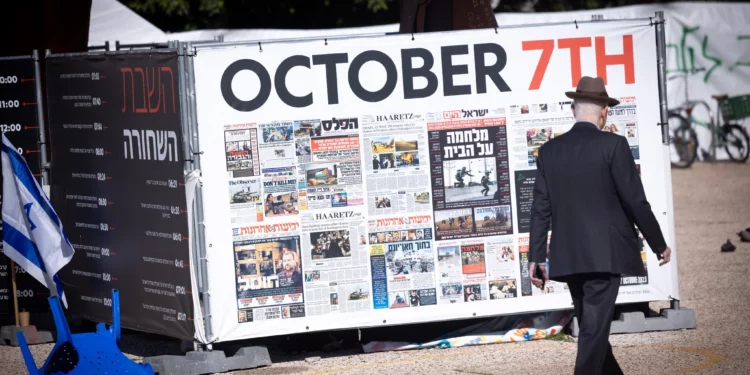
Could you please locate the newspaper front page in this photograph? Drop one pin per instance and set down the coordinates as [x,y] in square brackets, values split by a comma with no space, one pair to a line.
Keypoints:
[532,125]
[330,167]
[402,260]
[470,173]
[337,278]
[477,269]
[268,272]
[396,164]
[241,147]
[527,288]
[623,120]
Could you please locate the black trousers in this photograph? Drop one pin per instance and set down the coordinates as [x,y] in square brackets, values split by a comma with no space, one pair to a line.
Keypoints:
[594,298]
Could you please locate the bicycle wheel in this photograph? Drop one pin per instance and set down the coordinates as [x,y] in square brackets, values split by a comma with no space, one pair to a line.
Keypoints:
[684,141]
[737,142]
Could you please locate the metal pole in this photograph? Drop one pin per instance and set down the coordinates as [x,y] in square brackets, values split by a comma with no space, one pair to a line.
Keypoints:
[661,63]
[191,107]
[184,119]
[40,119]
[190,142]
[200,232]
[203,275]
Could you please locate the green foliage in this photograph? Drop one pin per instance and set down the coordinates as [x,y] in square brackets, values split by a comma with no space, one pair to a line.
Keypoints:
[180,15]
[560,336]
[375,5]
[192,14]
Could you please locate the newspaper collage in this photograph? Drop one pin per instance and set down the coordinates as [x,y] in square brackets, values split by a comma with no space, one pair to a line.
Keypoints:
[533,125]
[391,210]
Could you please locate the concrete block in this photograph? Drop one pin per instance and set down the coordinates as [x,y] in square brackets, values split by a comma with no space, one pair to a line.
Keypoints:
[208,362]
[636,322]
[30,333]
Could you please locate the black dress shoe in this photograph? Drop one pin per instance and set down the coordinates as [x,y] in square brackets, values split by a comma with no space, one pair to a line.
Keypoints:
[744,235]
[728,247]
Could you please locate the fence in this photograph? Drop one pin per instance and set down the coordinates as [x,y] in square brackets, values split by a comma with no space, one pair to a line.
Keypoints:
[240,190]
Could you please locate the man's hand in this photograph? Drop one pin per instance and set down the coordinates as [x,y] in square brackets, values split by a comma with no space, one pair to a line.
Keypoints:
[665,256]
[539,283]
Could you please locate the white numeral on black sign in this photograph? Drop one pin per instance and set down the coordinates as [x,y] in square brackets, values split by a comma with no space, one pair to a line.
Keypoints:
[8,80]
[7,128]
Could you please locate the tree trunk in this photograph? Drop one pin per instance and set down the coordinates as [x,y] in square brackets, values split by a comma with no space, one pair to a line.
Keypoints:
[443,15]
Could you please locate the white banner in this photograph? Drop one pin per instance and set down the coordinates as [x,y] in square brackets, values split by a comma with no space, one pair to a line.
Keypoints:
[386,180]
[712,37]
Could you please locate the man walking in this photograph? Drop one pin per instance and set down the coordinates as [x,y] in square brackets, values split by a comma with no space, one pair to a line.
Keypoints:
[587,187]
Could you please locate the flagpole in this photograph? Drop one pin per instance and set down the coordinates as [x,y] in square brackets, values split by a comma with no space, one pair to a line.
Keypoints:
[15,290]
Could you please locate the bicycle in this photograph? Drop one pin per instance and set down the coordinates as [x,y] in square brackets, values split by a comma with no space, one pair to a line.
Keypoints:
[731,136]
[684,138]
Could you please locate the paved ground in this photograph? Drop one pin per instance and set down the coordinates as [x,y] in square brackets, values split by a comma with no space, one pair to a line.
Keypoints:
[711,205]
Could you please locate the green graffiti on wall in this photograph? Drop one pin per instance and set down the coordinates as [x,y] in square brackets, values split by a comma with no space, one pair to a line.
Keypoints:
[741,63]
[684,55]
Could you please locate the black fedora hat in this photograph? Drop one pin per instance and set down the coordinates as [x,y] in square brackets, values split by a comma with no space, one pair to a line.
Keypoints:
[592,89]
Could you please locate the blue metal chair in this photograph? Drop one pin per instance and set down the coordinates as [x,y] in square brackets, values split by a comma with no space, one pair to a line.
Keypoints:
[95,353]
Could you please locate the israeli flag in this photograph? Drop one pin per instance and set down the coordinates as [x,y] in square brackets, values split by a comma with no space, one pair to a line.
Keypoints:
[33,235]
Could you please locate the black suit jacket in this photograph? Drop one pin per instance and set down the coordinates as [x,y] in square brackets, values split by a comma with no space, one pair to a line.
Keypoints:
[588,188]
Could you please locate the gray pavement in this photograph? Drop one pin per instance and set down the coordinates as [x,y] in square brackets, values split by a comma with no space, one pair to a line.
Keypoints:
[711,205]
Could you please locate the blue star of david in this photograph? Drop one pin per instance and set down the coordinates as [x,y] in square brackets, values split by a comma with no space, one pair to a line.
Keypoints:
[27,206]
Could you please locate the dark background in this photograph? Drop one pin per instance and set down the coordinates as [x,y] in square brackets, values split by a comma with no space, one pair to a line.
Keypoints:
[33,297]
[123,223]
[182,15]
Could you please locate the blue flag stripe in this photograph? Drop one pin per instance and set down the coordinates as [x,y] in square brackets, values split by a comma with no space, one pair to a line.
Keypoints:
[23,245]
[21,170]
[58,285]
[28,250]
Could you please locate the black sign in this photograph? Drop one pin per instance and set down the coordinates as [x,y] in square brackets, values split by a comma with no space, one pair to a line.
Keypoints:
[19,122]
[118,185]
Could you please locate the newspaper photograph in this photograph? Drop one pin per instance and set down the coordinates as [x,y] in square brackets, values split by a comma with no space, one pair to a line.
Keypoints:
[532,125]
[269,272]
[503,289]
[402,261]
[277,147]
[469,170]
[528,289]
[398,177]
[336,258]
[623,120]
[245,200]
[280,192]
[241,147]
